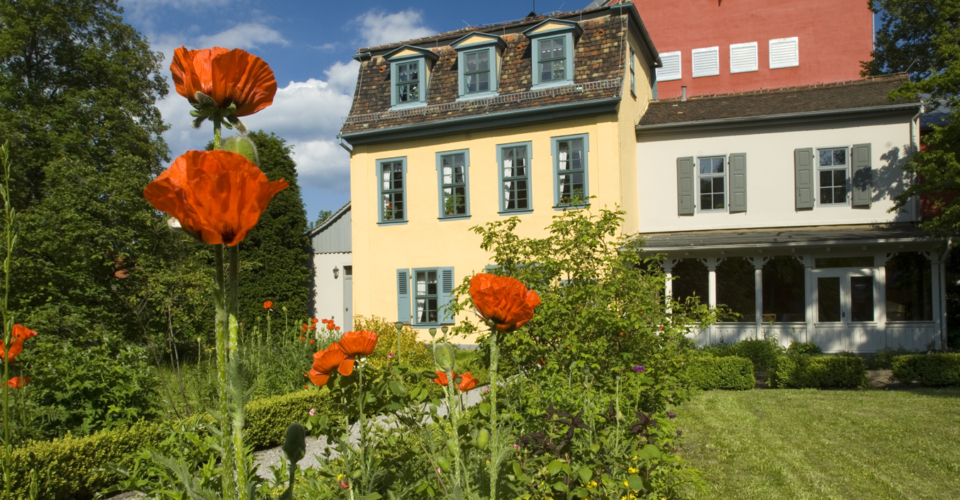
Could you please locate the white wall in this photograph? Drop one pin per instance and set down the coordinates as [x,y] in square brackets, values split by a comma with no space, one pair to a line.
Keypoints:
[329,291]
[770,174]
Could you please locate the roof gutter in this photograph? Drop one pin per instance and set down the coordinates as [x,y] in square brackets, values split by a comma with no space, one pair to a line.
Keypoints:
[819,243]
[804,116]
[344,144]
[491,121]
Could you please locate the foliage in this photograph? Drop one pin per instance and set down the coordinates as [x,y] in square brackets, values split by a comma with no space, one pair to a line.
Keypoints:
[728,372]
[268,418]
[411,351]
[883,359]
[818,372]
[936,369]
[761,352]
[921,38]
[322,217]
[273,365]
[800,348]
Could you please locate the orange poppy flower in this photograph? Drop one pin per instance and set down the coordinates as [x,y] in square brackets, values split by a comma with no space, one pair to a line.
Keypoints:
[268,304]
[303,338]
[442,379]
[354,345]
[337,328]
[467,382]
[312,341]
[226,76]
[324,363]
[217,196]
[18,382]
[314,320]
[19,334]
[503,300]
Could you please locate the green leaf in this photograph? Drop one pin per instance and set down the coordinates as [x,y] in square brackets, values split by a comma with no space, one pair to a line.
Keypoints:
[635,482]
[554,467]
[585,474]
[649,452]
[559,486]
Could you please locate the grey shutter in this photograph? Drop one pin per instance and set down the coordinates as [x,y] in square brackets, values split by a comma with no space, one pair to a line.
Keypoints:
[738,182]
[862,175]
[403,296]
[685,189]
[446,295]
[803,165]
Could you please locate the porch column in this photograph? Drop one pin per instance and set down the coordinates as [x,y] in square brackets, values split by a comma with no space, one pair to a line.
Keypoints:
[668,285]
[712,293]
[939,294]
[758,286]
[880,263]
[810,290]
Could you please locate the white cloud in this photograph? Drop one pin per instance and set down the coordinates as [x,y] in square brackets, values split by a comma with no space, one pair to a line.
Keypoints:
[379,28]
[304,111]
[343,76]
[244,36]
[322,164]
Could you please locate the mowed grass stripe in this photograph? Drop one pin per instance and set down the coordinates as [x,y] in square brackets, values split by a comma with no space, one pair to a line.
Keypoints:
[808,444]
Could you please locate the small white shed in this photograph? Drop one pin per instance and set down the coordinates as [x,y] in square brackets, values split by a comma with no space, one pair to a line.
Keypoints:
[333,269]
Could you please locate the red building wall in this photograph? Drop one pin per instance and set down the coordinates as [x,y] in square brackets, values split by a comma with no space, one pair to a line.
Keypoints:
[834,36]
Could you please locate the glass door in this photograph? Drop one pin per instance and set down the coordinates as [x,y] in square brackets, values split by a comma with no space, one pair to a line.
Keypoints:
[844,295]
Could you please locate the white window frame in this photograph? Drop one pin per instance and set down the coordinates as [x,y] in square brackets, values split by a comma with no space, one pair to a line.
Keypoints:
[703,72]
[726,187]
[662,75]
[793,64]
[756,57]
[847,176]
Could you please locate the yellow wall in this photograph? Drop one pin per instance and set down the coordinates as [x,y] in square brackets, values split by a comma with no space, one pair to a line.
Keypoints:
[426,241]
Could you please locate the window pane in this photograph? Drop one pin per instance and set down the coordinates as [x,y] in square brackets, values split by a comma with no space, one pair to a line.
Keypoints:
[833,262]
[718,203]
[690,278]
[861,298]
[826,157]
[483,84]
[826,195]
[909,288]
[828,299]
[471,61]
[483,63]
[705,185]
[718,184]
[736,288]
[783,290]
[839,156]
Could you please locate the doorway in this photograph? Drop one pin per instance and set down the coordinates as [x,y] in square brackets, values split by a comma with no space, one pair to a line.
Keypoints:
[348,298]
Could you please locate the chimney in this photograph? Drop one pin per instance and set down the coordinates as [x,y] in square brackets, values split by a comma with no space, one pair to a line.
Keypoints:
[683,98]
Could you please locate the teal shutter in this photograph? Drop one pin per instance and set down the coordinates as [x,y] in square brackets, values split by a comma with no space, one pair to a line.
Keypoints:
[803,167]
[403,296]
[446,296]
[862,175]
[685,186]
[738,182]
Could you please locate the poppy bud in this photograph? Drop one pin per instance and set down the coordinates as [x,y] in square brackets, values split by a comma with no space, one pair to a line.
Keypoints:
[482,438]
[295,444]
[243,145]
[445,356]
[452,446]
[204,100]
[444,464]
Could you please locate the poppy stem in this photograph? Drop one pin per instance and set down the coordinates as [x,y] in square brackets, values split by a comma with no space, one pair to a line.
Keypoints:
[494,434]
[219,300]
[217,123]
[452,410]
[233,281]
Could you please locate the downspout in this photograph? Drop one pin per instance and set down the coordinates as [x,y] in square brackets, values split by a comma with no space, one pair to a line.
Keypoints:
[943,295]
[915,143]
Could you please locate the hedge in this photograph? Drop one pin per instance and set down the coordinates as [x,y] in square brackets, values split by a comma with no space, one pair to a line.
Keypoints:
[934,370]
[818,372]
[709,372]
[79,467]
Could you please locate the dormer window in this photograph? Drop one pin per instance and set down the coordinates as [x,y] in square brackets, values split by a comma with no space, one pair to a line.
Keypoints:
[478,63]
[552,49]
[409,75]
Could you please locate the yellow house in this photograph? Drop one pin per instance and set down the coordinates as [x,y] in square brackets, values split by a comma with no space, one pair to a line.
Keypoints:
[463,128]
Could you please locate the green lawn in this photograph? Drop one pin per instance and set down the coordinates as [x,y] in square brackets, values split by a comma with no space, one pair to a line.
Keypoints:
[809,444]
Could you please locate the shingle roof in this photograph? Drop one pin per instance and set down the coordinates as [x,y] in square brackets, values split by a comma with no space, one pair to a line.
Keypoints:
[598,58]
[857,94]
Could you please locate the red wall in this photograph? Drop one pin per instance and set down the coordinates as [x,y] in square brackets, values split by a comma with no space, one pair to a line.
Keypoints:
[834,36]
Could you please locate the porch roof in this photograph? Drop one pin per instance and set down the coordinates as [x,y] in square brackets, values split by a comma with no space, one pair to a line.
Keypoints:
[785,237]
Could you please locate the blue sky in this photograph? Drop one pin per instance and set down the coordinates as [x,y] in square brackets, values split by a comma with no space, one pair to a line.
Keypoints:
[308,45]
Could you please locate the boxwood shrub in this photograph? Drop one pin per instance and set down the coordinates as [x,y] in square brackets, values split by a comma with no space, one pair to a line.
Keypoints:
[938,369]
[731,372]
[79,467]
[818,372]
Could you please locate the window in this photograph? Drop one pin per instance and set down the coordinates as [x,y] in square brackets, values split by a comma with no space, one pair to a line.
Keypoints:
[477,57]
[427,296]
[392,190]
[453,184]
[670,69]
[706,62]
[743,57]
[832,171]
[570,171]
[784,289]
[552,60]
[476,73]
[909,287]
[712,183]
[514,173]
[552,51]
[432,291]
[408,82]
[633,73]
[409,73]
[736,288]
[784,53]
[690,279]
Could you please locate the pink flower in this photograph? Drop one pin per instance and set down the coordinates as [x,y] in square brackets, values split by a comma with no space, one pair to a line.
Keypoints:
[390,355]
[516,446]
[313,411]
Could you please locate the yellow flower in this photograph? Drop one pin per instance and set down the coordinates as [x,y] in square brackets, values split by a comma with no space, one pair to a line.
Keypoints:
[634,457]
[339,477]
[626,484]
[592,484]
[632,470]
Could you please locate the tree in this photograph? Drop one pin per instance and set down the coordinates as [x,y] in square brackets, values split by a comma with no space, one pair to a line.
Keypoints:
[322,217]
[921,38]
[274,256]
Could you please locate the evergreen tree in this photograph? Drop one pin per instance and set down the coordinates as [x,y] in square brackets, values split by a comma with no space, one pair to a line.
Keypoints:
[275,257]
[923,39]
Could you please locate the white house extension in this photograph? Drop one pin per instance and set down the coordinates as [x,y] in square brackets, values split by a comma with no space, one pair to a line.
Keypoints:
[777,204]
[333,268]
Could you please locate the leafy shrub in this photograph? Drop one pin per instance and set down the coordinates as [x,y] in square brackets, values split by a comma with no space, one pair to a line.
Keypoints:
[731,372]
[268,418]
[799,348]
[883,359]
[762,353]
[818,372]
[411,351]
[935,370]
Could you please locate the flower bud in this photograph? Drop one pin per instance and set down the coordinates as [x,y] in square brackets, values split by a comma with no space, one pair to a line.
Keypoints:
[295,445]
[243,145]
[444,464]
[482,438]
[445,356]
[452,446]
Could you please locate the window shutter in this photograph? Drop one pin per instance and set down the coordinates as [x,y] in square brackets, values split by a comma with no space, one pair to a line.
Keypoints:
[784,53]
[743,57]
[446,295]
[738,182]
[685,191]
[803,165]
[862,175]
[403,296]
[706,62]
[671,67]
[393,84]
